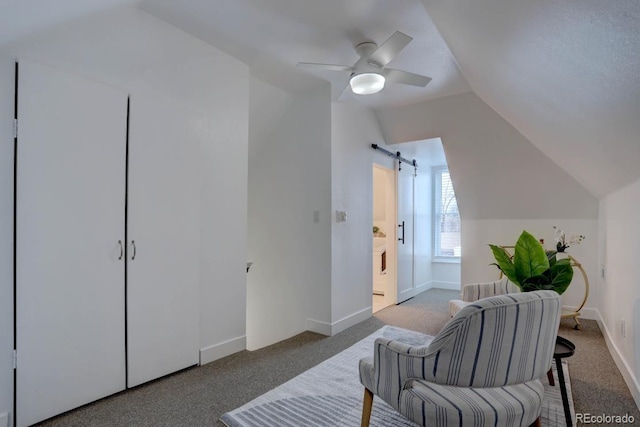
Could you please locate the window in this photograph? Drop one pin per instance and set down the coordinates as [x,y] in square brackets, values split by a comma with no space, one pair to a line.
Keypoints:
[446,219]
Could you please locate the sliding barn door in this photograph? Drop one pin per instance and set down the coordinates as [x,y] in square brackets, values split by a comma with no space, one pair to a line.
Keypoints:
[70,227]
[163,238]
[405,274]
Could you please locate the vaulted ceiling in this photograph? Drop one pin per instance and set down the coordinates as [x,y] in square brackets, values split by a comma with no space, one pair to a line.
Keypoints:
[566,75]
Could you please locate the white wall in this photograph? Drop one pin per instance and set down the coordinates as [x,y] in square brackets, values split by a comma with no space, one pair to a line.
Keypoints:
[6,234]
[446,275]
[289,285]
[503,183]
[353,130]
[133,50]
[496,171]
[619,290]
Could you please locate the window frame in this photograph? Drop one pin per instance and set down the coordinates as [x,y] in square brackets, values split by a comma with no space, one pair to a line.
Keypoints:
[436,175]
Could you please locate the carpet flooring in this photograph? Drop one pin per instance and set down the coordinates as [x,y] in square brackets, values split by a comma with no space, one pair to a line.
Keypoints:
[330,394]
[199,396]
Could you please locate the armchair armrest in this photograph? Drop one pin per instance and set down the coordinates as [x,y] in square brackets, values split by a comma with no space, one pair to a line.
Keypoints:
[394,363]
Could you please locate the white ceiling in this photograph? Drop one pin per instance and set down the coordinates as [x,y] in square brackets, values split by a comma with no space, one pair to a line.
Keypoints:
[564,74]
[272,36]
[21,18]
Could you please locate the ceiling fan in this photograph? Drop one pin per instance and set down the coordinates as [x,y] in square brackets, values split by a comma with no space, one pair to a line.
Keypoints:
[369,74]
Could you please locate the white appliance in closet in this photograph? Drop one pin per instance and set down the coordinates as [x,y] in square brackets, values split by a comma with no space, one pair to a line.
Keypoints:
[97,312]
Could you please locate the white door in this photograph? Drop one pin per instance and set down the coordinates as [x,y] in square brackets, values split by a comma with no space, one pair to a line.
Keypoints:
[405,218]
[70,219]
[163,238]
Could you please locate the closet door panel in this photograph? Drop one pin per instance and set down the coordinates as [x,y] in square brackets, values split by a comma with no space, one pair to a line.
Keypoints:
[163,225]
[70,216]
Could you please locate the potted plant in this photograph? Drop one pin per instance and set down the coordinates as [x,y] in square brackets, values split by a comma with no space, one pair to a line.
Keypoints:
[532,268]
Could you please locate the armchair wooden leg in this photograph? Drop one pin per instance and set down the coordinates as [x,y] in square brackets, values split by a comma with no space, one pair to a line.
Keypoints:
[550,378]
[366,407]
[537,423]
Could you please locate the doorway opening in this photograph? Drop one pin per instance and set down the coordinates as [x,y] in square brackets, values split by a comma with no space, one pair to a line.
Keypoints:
[384,250]
[417,233]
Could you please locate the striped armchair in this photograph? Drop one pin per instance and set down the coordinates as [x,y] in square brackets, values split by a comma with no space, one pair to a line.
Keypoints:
[483,368]
[475,291]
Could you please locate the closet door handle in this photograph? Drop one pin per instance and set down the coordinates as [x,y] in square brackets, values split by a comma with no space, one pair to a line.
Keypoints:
[133,247]
[401,239]
[121,250]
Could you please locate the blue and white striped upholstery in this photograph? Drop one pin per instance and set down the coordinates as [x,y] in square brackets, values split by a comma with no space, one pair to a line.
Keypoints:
[474,291]
[483,368]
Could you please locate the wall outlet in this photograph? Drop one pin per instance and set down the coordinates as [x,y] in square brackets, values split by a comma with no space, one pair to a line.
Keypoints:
[4,420]
[341,216]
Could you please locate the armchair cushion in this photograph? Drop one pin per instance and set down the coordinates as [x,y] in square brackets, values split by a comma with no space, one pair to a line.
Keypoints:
[515,405]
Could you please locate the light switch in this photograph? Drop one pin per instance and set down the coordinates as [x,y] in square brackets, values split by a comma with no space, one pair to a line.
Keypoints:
[316,216]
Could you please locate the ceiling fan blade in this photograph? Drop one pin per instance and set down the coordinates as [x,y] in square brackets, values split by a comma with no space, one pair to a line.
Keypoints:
[330,67]
[405,77]
[390,48]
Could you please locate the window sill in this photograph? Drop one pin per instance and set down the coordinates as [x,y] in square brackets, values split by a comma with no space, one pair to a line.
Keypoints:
[445,260]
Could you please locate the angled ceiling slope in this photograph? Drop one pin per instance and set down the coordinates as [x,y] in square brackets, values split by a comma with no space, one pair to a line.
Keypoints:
[565,74]
[28,17]
[273,36]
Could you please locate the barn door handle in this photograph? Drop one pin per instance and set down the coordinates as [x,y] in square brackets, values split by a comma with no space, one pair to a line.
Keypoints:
[402,238]
[133,247]
[121,250]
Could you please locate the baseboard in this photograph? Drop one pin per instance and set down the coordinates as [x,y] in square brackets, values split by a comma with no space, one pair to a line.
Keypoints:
[415,291]
[330,329]
[322,328]
[585,313]
[223,349]
[453,286]
[621,364]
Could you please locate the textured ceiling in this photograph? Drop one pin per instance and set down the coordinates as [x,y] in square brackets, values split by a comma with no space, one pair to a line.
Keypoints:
[565,74]
[22,18]
[273,36]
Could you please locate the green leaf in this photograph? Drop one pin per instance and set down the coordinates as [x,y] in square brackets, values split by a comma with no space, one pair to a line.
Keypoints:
[560,275]
[535,283]
[551,256]
[530,258]
[504,263]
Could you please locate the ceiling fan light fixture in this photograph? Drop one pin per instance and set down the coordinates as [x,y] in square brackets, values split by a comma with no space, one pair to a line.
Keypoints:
[367,83]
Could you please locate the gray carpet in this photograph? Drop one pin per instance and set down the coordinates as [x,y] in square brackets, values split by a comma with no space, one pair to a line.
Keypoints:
[330,394]
[199,396]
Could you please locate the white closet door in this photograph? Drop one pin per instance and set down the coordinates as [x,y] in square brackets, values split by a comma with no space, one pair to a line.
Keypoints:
[163,226]
[70,216]
[405,245]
